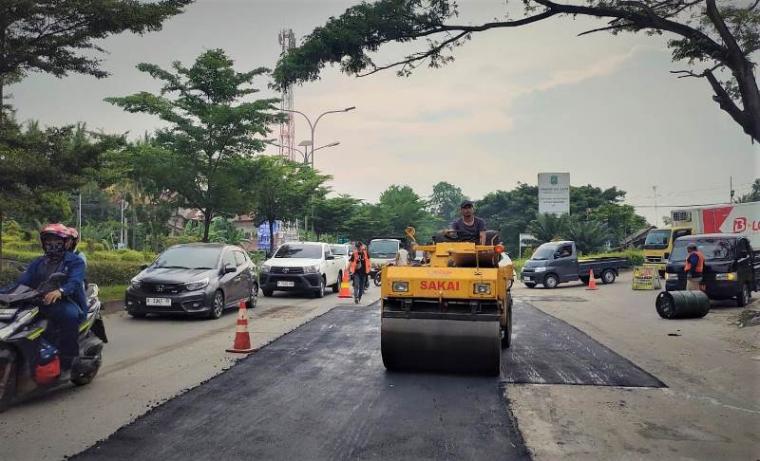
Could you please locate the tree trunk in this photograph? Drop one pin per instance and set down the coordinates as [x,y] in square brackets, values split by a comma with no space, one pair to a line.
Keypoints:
[271,236]
[207,215]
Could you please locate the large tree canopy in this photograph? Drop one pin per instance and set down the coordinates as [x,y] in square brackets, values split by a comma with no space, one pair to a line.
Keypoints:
[59,36]
[716,42]
[213,124]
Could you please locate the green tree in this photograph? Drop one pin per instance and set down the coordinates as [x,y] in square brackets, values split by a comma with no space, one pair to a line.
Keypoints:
[716,42]
[400,207]
[589,236]
[280,189]
[331,215]
[211,127]
[59,37]
[445,201]
[753,195]
[621,220]
[39,168]
[547,227]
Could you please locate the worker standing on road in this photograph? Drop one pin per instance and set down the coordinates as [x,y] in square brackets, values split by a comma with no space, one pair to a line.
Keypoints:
[469,226]
[694,267]
[359,269]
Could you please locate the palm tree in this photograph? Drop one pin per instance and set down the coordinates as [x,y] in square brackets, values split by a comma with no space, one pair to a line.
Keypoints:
[547,227]
[589,236]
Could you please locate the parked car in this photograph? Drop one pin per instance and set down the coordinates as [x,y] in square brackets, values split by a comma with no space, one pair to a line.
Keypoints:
[557,262]
[732,266]
[302,266]
[198,279]
[342,250]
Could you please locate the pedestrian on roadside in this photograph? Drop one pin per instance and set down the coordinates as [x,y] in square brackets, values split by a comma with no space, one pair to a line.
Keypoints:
[695,264]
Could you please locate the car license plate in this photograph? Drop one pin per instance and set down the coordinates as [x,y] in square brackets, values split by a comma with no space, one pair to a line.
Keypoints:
[525,277]
[160,302]
[283,283]
[7,313]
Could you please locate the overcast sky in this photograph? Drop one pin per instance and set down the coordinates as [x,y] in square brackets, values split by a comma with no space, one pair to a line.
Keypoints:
[513,104]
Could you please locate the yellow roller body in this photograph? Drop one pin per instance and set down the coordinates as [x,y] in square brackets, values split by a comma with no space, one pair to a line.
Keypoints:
[449,314]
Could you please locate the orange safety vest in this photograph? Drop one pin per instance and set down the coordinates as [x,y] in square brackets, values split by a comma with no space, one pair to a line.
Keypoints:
[354,258]
[700,263]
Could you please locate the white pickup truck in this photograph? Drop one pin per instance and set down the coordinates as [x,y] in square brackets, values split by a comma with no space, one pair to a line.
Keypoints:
[301,266]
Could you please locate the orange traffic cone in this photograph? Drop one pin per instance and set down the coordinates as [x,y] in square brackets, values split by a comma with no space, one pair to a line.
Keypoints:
[345,287]
[242,344]
[591,281]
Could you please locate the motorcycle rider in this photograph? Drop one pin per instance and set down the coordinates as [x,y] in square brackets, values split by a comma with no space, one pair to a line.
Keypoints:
[66,306]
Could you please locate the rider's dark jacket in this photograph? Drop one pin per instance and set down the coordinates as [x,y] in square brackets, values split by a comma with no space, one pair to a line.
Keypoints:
[73,288]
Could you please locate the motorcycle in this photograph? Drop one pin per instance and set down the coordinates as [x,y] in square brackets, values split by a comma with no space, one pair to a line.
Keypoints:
[26,356]
[377,277]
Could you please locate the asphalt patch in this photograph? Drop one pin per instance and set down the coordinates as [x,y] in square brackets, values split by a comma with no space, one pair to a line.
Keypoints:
[547,350]
[321,392]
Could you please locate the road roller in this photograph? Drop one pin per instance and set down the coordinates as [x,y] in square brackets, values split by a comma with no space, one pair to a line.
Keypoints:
[452,311]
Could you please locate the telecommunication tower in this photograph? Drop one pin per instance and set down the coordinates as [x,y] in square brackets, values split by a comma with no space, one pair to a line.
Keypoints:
[288,127]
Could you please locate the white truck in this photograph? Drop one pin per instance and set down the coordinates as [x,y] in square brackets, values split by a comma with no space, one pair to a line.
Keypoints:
[737,218]
[302,266]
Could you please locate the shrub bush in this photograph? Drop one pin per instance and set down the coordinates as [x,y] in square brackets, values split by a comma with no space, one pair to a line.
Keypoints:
[112,272]
[8,275]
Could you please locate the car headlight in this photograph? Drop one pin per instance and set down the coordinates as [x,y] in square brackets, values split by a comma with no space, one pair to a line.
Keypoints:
[729,276]
[540,269]
[482,289]
[135,283]
[265,269]
[669,276]
[311,269]
[196,285]
[401,287]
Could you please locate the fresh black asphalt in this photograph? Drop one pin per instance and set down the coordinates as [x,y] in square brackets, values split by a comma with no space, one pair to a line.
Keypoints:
[321,392]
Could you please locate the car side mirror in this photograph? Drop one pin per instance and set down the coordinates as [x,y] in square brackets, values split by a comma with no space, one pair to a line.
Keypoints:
[229,269]
[329,257]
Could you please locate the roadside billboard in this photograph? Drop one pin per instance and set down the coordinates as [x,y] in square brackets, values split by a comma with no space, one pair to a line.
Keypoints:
[554,193]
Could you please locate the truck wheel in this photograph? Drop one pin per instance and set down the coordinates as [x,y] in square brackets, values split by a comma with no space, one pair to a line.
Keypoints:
[530,284]
[744,297]
[608,276]
[320,293]
[551,281]
[336,287]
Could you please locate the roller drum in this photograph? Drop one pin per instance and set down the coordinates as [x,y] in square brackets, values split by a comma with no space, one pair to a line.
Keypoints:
[466,346]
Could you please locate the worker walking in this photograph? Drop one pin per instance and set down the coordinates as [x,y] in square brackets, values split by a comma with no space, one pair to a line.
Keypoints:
[695,264]
[359,269]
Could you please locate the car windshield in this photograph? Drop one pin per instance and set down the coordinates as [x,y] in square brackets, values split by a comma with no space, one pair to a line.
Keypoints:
[545,251]
[383,249]
[657,239]
[189,257]
[339,250]
[712,248]
[299,251]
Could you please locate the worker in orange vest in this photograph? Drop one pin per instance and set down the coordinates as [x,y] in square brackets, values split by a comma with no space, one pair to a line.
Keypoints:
[695,266]
[360,268]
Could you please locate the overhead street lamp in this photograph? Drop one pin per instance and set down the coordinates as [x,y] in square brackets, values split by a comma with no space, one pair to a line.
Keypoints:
[313,126]
[304,154]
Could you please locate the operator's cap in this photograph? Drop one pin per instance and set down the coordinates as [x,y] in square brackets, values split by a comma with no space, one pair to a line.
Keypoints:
[466,203]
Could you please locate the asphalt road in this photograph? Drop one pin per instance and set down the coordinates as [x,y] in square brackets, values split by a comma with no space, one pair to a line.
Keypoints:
[146,362]
[321,392]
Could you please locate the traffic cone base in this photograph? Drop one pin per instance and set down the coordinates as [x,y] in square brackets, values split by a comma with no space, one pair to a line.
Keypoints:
[242,344]
[591,281]
[345,287]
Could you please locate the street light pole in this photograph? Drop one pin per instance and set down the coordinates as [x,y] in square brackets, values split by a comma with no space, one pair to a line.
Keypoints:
[313,126]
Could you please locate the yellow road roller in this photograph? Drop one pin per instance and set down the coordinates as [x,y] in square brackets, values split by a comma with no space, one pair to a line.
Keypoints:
[452,312]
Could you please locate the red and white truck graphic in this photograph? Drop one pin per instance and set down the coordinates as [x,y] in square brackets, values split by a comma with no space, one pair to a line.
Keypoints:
[739,218]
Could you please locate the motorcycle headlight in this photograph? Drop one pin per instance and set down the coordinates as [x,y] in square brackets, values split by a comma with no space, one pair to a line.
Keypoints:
[135,283]
[401,287]
[311,269]
[540,269]
[482,289]
[196,285]
[730,276]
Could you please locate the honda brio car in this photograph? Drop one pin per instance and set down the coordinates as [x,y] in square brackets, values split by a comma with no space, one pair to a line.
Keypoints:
[200,279]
